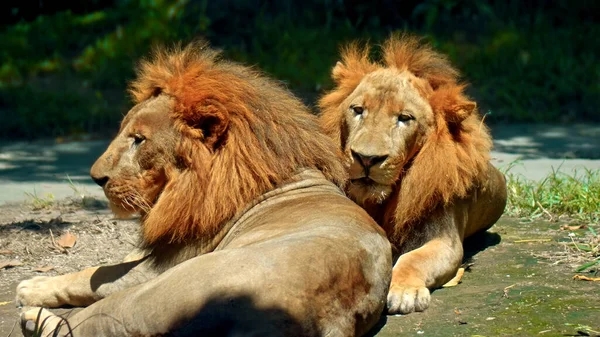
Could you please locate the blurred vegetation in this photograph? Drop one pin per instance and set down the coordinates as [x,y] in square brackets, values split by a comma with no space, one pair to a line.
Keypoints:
[64,67]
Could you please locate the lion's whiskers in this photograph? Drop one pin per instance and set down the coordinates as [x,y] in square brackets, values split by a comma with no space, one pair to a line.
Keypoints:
[127,203]
[140,201]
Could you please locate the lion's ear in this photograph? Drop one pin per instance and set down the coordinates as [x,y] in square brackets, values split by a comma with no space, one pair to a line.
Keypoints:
[339,72]
[460,110]
[452,103]
[208,121]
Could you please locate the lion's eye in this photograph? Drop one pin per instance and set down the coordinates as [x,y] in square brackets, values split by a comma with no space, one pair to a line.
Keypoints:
[403,118]
[138,139]
[358,110]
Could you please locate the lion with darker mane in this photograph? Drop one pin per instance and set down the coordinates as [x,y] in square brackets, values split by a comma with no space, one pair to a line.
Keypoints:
[418,156]
[245,227]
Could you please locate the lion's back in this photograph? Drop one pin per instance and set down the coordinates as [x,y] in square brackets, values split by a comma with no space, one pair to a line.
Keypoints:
[350,258]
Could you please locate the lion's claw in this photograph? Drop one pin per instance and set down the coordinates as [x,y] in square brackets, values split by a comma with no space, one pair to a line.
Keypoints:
[404,300]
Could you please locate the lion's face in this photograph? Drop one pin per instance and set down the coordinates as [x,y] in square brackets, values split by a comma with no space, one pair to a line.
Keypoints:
[386,119]
[133,170]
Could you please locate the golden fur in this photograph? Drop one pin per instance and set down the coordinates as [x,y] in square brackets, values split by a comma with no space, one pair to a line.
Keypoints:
[453,158]
[418,153]
[233,121]
[245,229]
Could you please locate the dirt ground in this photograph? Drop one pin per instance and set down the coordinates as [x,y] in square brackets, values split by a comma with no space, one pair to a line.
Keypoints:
[32,237]
[511,288]
[520,283]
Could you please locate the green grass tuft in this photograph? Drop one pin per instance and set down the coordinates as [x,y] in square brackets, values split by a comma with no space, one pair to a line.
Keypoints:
[576,195]
[40,202]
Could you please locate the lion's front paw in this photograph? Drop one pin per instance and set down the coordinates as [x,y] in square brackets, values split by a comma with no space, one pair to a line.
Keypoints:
[40,322]
[406,299]
[39,291]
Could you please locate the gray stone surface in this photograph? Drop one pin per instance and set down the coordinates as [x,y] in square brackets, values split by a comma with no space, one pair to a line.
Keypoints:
[534,151]
[44,168]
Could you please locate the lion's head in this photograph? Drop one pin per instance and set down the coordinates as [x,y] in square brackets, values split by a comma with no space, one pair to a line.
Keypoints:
[405,127]
[206,138]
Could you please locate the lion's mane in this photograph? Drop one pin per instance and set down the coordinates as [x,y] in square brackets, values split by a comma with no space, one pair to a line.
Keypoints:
[455,155]
[242,135]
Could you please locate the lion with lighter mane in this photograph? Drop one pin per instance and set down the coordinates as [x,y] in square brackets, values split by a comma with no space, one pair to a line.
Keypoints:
[245,229]
[418,157]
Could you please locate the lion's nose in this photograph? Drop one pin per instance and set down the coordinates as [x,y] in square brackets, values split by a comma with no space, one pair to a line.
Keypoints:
[368,161]
[100,180]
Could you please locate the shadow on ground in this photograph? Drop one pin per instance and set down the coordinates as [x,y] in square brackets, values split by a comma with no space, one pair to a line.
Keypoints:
[45,161]
[531,141]
[478,243]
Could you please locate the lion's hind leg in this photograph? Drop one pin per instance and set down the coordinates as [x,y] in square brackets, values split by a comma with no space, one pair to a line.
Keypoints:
[229,290]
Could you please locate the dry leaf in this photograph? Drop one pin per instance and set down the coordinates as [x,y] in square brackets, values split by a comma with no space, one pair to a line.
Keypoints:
[11,263]
[6,252]
[456,280]
[5,303]
[67,240]
[585,278]
[44,269]
[572,228]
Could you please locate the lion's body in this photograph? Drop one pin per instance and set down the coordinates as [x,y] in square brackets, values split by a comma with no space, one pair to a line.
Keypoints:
[472,214]
[284,254]
[418,157]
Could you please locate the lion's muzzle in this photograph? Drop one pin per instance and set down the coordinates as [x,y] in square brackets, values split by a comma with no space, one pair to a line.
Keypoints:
[368,161]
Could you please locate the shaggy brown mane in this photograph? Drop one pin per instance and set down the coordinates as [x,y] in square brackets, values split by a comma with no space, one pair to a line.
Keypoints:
[454,157]
[242,135]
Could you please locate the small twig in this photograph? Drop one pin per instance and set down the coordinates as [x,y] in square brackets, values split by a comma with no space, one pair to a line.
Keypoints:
[482,120]
[52,237]
[467,266]
[560,261]
[12,329]
[79,247]
[533,240]
[56,245]
[544,210]
[576,246]
[505,294]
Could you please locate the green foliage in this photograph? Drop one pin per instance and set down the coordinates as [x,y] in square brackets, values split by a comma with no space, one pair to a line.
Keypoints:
[576,195]
[66,73]
[544,75]
[292,54]
[40,202]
